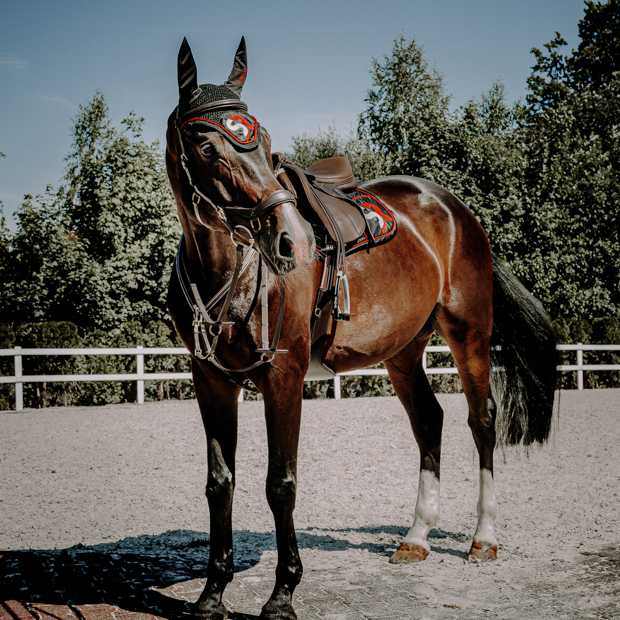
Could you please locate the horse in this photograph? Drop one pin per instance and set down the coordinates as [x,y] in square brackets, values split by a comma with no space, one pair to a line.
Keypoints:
[244,238]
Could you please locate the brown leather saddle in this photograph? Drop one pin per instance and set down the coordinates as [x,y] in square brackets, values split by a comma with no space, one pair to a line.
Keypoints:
[321,200]
[323,186]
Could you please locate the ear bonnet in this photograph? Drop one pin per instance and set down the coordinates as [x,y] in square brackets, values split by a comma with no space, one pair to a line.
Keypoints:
[218,107]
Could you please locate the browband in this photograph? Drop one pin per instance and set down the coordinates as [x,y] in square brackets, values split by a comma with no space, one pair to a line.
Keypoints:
[222,104]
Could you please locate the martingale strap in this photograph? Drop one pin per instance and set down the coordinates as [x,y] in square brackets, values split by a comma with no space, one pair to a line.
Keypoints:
[202,318]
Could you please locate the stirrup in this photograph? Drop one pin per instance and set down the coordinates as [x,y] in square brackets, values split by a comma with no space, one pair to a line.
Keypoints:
[337,314]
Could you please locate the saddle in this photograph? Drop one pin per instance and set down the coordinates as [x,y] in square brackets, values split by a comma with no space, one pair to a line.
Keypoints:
[323,186]
[321,200]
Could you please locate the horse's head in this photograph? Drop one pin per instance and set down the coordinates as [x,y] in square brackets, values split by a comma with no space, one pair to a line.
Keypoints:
[219,163]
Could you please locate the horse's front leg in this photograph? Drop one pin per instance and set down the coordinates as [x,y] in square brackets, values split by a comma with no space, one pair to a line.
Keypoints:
[217,399]
[283,399]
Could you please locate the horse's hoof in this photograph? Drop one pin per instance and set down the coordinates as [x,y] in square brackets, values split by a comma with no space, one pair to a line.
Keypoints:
[276,611]
[208,611]
[409,552]
[481,551]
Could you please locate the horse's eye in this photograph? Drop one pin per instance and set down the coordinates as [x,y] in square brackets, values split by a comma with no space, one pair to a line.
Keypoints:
[207,150]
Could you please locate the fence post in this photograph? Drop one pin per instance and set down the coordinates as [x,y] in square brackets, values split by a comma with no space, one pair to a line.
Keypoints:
[424,361]
[337,393]
[140,369]
[240,399]
[19,386]
[580,363]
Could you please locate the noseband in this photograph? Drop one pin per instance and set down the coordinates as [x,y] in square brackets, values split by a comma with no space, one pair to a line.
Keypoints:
[242,237]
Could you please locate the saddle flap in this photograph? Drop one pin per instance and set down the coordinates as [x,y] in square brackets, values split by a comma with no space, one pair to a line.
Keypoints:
[346,215]
[331,210]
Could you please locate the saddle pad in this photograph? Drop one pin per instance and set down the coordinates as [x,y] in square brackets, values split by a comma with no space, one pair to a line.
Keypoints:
[381,225]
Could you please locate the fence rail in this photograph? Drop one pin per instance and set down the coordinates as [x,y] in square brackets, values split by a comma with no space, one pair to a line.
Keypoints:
[140,376]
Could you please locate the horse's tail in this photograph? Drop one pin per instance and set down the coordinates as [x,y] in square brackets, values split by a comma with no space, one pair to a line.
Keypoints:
[523,361]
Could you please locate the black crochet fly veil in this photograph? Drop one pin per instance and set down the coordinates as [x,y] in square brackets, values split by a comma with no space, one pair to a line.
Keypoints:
[198,102]
[239,127]
[207,93]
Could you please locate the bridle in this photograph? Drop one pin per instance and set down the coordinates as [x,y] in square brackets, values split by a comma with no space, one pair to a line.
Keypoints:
[227,215]
[243,238]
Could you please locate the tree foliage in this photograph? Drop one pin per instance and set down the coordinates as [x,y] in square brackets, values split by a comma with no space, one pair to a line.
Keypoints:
[308,149]
[96,251]
[407,114]
[573,170]
[543,177]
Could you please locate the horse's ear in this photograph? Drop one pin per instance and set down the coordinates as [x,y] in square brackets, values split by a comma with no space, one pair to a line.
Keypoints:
[239,72]
[186,73]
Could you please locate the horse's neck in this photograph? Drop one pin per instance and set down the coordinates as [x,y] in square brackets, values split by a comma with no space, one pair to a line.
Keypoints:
[209,256]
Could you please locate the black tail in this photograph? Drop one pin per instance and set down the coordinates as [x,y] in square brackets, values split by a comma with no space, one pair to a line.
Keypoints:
[524,356]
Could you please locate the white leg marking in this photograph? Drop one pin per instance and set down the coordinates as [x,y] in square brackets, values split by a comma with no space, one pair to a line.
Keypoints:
[426,510]
[487,509]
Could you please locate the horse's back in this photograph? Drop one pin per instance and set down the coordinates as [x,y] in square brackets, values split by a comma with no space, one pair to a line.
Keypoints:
[439,259]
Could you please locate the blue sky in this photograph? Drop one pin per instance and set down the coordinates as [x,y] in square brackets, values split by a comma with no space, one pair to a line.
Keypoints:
[308,62]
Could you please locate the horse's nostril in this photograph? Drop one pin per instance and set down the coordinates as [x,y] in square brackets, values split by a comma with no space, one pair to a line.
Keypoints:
[285,248]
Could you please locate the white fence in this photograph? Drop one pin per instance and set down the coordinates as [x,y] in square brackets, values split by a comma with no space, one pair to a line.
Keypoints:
[140,376]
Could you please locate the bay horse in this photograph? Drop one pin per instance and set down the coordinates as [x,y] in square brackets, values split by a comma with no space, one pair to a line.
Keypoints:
[438,274]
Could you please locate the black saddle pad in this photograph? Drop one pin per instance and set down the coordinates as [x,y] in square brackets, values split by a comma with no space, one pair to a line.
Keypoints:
[380,228]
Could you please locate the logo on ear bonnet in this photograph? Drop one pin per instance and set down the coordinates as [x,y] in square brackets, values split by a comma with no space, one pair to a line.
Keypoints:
[241,125]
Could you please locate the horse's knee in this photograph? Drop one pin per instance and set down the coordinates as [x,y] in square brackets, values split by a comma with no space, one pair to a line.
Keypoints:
[281,490]
[220,485]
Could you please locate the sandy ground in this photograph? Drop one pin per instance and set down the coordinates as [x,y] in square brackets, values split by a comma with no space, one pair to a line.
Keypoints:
[131,479]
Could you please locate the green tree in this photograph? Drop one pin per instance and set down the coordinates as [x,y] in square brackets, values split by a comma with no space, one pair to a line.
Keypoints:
[407,115]
[98,250]
[45,265]
[309,148]
[573,171]
[485,166]
[116,199]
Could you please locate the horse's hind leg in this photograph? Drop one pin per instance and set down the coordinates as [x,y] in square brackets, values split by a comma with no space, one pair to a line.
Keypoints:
[470,348]
[217,399]
[426,416]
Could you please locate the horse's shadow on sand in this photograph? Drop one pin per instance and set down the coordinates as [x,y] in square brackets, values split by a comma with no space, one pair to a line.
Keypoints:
[129,573]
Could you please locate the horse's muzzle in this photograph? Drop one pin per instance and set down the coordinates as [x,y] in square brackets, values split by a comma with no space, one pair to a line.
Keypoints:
[286,240]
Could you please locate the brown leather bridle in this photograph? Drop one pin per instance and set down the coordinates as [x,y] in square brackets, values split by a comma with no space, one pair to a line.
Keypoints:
[243,238]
